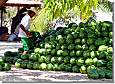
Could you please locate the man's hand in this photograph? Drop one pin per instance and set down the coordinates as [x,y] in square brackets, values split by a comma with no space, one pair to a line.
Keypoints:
[29,34]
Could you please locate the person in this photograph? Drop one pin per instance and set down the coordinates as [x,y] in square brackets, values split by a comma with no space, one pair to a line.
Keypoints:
[15,23]
[17,19]
[24,33]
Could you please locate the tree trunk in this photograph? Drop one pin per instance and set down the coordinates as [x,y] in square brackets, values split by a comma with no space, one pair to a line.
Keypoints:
[2,2]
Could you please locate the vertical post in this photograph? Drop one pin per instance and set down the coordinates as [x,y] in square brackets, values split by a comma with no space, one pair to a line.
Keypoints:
[1,16]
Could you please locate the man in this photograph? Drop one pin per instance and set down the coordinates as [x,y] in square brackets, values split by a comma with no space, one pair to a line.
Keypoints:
[15,23]
[24,33]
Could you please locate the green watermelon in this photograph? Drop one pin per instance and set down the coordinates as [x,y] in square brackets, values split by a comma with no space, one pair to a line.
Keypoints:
[75,69]
[35,65]
[89,61]
[17,64]
[53,59]
[65,53]
[55,67]
[43,66]
[33,57]
[73,53]
[66,59]
[83,69]
[6,67]
[73,60]
[80,61]
[84,47]
[25,57]
[60,59]
[78,41]
[78,47]
[53,52]
[59,52]
[49,67]
[79,53]
[1,68]
[30,65]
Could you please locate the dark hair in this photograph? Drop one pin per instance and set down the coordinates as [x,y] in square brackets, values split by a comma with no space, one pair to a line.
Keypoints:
[30,11]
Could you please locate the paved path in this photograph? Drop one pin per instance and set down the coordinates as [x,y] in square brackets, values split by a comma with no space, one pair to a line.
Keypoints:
[25,75]
[9,46]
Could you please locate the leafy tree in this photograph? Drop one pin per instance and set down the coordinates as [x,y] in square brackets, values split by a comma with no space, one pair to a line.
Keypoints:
[61,8]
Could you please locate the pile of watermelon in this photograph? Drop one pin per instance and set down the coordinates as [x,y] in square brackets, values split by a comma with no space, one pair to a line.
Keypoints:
[4,66]
[85,48]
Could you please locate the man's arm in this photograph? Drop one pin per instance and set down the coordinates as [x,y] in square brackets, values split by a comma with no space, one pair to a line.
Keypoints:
[23,28]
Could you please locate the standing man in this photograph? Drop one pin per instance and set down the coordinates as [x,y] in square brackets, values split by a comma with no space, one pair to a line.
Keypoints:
[24,33]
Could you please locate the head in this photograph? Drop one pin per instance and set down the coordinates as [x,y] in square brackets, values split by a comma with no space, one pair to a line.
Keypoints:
[31,13]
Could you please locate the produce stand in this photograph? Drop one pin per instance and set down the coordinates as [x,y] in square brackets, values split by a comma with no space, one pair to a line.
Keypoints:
[74,54]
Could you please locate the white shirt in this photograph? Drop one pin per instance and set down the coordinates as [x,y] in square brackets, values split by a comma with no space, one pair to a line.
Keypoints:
[26,23]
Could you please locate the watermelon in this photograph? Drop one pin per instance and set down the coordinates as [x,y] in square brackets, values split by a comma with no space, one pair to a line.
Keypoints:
[93,54]
[53,59]
[108,74]
[1,68]
[25,57]
[33,57]
[65,53]
[70,36]
[8,54]
[86,54]
[79,53]
[93,73]
[43,66]
[83,41]
[47,59]
[61,67]
[48,51]
[64,46]
[77,41]
[41,59]
[73,53]
[61,41]
[60,59]
[84,47]
[89,61]
[78,47]
[92,47]
[59,52]
[53,52]
[73,60]
[17,64]
[75,69]
[69,41]
[101,73]
[55,67]
[29,65]
[68,68]
[49,67]
[80,61]
[1,60]
[35,66]
[66,59]
[6,67]
[83,69]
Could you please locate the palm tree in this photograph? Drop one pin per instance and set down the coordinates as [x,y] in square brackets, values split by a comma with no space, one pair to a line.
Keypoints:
[61,8]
